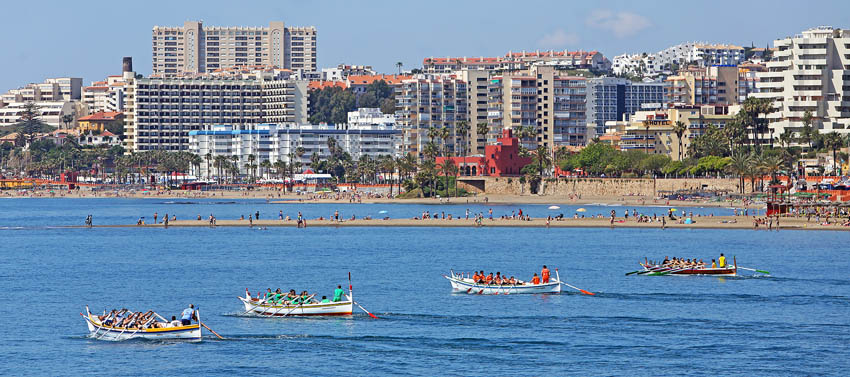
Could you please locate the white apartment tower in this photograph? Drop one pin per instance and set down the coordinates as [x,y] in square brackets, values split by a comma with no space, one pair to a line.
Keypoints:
[195,48]
[809,72]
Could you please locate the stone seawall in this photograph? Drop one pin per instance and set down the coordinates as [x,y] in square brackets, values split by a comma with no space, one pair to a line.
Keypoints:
[598,187]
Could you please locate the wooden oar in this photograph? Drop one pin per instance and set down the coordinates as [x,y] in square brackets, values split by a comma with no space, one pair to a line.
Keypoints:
[579,289]
[211,330]
[367,312]
[299,305]
[753,269]
[662,273]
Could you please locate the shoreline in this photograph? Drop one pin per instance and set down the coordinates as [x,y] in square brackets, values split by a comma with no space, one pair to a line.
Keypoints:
[705,222]
[273,197]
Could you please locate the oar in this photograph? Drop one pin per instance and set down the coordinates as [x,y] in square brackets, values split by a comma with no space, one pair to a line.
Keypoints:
[211,330]
[579,289]
[662,273]
[753,269]
[367,312]
[299,305]
[651,270]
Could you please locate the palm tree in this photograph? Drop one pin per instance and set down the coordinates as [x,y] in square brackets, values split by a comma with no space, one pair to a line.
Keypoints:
[447,168]
[388,166]
[771,165]
[266,164]
[834,141]
[482,129]
[739,166]
[444,135]
[208,157]
[399,65]
[646,126]
[463,128]
[250,166]
[544,160]
[680,129]
[807,135]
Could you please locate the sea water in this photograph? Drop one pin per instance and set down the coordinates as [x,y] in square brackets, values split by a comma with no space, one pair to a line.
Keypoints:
[794,322]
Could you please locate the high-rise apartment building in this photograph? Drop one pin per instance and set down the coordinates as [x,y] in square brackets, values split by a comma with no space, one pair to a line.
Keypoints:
[195,48]
[809,72]
[426,102]
[552,104]
[610,98]
[519,60]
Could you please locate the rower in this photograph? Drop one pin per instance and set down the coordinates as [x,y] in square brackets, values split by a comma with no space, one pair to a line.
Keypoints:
[721,261]
[535,280]
[544,274]
[489,278]
[338,293]
[475,277]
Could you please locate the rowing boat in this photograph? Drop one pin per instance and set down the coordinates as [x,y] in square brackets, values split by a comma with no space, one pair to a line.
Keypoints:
[467,285]
[99,331]
[262,308]
[658,270]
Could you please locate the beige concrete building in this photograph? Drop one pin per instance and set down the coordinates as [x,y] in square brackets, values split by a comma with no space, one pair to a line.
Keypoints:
[431,101]
[552,104]
[659,137]
[195,48]
[715,85]
[809,72]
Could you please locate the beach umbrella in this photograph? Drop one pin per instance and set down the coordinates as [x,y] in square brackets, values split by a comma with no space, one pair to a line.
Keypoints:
[554,207]
[581,210]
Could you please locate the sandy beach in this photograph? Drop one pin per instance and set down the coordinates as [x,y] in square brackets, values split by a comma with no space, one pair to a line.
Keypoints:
[277,197]
[706,222]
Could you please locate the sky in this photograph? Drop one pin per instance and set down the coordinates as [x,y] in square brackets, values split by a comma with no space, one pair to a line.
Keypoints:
[87,39]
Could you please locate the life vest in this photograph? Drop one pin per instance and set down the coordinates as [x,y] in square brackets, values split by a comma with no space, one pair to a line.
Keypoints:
[721,262]
[545,275]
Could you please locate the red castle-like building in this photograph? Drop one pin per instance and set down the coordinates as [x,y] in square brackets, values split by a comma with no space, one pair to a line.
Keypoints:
[500,160]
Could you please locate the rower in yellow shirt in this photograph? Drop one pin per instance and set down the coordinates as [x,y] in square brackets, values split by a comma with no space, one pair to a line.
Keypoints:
[721,262]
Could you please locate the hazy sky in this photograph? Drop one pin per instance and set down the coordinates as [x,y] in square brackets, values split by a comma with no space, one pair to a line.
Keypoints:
[87,39]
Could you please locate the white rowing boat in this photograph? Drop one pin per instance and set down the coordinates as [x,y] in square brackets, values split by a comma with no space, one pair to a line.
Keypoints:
[100,331]
[262,308]
[465,284]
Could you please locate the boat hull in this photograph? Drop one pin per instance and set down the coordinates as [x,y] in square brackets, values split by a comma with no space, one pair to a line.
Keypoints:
[691,271]
[468,286]
[255,307]
[103,332]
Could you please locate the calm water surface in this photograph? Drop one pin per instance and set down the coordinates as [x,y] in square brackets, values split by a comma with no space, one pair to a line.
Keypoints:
[795,322]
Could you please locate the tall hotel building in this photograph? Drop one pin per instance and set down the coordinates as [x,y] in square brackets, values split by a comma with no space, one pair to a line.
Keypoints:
[161,111]
[195,48]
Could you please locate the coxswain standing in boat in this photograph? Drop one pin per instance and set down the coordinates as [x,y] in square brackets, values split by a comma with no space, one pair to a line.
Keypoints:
[188,315]
[338,293]
[544,274]
[721,262]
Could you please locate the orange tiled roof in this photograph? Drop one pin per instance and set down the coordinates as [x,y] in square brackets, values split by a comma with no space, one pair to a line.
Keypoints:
[326,84]
[102,116]
[544,54]
[464,60]
[368,79]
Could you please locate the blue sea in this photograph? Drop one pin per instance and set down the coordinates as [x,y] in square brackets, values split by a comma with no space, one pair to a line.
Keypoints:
[794,322]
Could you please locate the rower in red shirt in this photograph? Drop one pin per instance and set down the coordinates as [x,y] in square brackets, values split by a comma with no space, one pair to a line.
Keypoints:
[544,274]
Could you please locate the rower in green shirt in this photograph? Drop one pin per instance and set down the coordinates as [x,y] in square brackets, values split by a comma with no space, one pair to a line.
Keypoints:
[338,292]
